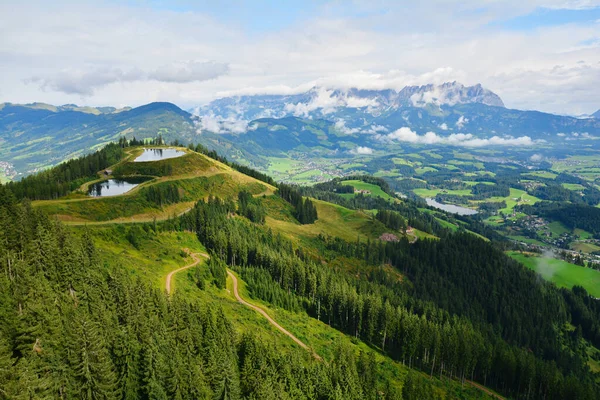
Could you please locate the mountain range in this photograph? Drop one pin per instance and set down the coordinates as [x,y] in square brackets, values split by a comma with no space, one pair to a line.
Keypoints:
[320,121]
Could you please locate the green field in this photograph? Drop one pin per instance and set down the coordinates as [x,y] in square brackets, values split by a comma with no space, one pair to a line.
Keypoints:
[562,273]
[360,185]
[585,247]
[542,174]
[516,197]
[573,186]
[557,228]
[333,220]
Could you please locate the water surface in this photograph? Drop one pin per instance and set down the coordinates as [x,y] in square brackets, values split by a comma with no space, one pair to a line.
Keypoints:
[158,154]
[114,187]
[451,208]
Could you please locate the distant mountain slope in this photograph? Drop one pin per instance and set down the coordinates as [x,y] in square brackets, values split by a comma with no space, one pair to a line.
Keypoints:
[470,124]
[357,117]
[596,114]
[38,135]
[323,101]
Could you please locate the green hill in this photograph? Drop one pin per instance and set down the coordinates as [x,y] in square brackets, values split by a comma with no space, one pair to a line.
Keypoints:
[423,318]
[36,136]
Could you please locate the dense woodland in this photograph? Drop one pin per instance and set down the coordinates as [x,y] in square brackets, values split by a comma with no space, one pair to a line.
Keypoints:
[453,307]
[445,322]
[70,175]
[304,209]
[66,177]
[72,328]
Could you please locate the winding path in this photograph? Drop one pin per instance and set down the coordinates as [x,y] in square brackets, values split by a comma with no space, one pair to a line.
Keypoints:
[486,390]
[264,314]
[196,261]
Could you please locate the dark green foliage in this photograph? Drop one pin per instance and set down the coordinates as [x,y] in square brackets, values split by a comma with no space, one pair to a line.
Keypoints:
[261,286]
[415,388]
[572,215]
[305,210]
[391,219]
[251,207]
[163,194]
[66,177]
[555,192]
[482,191]
[153,168]
[73,329]
[469,312]
[218,270]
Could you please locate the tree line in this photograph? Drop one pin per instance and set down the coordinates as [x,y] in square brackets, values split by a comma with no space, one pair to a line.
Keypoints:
[71,327]
[65,177]
[459,332]
[304,209]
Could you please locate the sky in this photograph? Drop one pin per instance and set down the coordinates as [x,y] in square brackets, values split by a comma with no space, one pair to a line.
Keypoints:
[535,54]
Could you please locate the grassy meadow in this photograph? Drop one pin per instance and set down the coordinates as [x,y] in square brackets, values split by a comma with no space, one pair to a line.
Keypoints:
[562,273]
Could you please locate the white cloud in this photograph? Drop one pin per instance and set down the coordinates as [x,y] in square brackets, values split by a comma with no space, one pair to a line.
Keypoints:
[406,134]
[218,124]
[536,157]
[443,126]
[340,125]
[341,45]
[375,129]
[72,81]
[326,100]
[85,81]
[362,150]
[462,121]
[190,71]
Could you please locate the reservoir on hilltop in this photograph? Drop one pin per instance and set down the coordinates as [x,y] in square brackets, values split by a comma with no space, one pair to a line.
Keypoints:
[115,187]
[158,154]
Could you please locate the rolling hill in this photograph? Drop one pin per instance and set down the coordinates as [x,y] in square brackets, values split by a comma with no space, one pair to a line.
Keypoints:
[36,136]
[416,305]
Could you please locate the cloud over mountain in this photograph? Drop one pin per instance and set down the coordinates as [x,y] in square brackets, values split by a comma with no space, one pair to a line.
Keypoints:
[405,134]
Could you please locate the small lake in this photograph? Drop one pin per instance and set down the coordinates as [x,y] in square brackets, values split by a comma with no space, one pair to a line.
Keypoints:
[451,208]
[158,154]
[114,187]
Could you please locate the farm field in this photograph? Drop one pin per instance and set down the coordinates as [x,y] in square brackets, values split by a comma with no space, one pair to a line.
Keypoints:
[562,273]
[360,185]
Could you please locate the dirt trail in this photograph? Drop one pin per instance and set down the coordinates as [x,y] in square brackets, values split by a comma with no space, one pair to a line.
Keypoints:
[486,390]
[264,314]
[196,261]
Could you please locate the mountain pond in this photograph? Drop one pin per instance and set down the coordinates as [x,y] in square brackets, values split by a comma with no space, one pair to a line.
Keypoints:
[158,154]
[114,187]
[451,208]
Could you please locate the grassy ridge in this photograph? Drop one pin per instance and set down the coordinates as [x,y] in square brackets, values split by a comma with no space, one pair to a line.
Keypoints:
[136,204]
[562,273]
[333,220]
[196,176]
[157,254]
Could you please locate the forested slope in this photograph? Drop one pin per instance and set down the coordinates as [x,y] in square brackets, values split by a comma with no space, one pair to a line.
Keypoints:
[453,306]
[72,328]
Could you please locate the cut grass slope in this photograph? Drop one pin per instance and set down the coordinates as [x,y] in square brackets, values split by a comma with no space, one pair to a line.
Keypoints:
[562,273]
[333,220]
